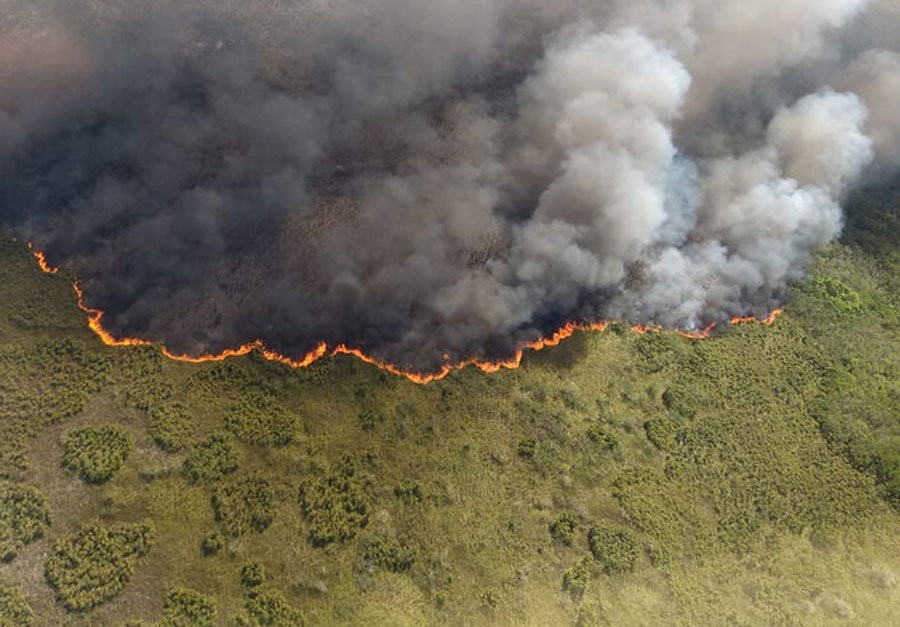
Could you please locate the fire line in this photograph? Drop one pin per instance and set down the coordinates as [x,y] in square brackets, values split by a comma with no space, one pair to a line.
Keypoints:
[95,324]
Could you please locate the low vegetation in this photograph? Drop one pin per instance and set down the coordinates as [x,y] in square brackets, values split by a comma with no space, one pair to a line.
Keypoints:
[244,505]
[271,608]
[259,419]
[93,564]
[24,517]
[388,553]
[577,577]
[210,460]
[14,610]
[97,452]
[563,529]
[335,505]
[170,426]
[185,607]
[252,577]
[615,548]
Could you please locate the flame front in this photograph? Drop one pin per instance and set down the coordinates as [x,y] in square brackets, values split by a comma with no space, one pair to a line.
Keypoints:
[95,323]
[45,267]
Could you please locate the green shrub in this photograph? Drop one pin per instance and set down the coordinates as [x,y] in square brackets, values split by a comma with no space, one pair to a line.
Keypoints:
[41,385]
[388,553]
[210,460]
[271,608]
[258,419]
[96,452]
[335,505]
[563,528]
[526,448]
[14,610]
[369,419]
[184,607]
[170,426]
[603,436]
[213,543]
[656,351]
[24,516]
[661,431]
[248,503]
[93,564]
[615,548]
[252,577]
[409,492]
[142,380]
[836,294]
[577,578]
[679,400]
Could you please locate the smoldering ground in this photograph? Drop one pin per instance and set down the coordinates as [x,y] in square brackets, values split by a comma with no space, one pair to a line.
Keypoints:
[440,180]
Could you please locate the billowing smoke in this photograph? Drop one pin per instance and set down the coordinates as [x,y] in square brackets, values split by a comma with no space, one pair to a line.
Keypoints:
[433,181]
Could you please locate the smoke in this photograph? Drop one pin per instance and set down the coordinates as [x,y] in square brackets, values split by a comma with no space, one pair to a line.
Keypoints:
[436,181]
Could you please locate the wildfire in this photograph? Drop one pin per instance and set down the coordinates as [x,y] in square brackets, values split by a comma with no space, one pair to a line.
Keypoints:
[95,323]
[42,260]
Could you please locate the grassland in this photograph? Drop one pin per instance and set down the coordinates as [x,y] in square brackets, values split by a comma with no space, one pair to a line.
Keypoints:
[753,478]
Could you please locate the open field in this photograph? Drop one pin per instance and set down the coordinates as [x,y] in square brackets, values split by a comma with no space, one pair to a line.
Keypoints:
[753,478]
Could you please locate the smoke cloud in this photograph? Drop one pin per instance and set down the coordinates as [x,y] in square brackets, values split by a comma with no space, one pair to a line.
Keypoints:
[436,181]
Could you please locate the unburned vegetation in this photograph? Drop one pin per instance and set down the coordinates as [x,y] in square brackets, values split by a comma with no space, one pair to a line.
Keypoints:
[93,564]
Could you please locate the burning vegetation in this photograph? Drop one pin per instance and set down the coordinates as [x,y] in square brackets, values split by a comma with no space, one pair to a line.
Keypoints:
[95,316]
[310,180]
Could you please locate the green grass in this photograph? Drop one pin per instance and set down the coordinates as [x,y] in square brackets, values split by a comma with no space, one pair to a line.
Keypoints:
[753,478]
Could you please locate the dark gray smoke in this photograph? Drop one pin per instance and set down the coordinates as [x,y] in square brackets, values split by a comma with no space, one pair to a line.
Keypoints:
[436,180]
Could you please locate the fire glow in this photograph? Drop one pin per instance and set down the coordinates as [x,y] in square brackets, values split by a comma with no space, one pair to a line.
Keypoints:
[95,323]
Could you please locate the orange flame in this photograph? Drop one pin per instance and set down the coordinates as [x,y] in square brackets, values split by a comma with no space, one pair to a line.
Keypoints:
[45,267]
[95,323]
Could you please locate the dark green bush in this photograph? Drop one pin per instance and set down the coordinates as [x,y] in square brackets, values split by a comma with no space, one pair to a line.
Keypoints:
[577,578]
[563,528]
[93,564]
[335,505]
[603,436]
[24,516]
[245,504]
[252,577]
[615,548]
[388,553]
[370,419]
[210,460]
[679,400]
[526,448]
[259,419]
[271,608]
[170,425]
[213,543]
[184,607]
[96,452]
[409,492]
[14,610]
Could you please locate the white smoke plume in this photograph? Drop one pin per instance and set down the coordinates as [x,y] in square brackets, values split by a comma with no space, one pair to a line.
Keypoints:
[437,181]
